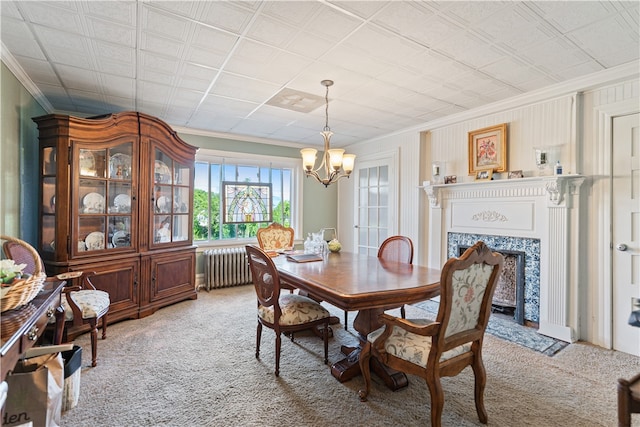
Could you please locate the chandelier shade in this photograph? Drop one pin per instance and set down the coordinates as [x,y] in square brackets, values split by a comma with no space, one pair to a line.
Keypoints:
[335,164]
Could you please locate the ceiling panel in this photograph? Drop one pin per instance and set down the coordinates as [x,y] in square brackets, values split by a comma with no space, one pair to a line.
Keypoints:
[214,65]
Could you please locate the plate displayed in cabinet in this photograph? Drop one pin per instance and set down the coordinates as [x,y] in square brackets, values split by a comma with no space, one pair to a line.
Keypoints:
[162,172]
[94,241]
[120,166]
[87,163]
[121,238]
[162,205]
[122,202]
[93,203]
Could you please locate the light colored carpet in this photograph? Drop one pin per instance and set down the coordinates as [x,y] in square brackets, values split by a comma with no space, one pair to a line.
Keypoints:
[193,364]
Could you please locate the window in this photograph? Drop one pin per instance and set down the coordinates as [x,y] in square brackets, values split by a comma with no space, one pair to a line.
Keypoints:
[226,184]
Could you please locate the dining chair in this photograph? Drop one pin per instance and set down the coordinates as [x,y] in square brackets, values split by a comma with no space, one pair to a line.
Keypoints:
[275,237]
[284,313]
[628,399]
[82,304]
[444,347]
[394,248]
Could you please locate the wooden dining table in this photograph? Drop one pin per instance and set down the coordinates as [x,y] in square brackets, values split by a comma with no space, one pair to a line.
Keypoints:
[365,284]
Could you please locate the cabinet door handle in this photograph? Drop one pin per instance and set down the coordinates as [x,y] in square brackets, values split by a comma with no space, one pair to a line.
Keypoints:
[32,335]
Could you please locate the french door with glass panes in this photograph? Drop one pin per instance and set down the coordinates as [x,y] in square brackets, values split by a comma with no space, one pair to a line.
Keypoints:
[374,208]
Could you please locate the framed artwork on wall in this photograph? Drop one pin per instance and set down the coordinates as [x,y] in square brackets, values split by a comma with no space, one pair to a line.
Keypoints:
[488,149]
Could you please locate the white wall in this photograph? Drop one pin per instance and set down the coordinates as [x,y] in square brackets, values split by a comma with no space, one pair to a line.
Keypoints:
[563,118]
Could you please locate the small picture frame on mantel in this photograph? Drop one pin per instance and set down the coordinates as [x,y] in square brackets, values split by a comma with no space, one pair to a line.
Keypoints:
[450,179]
[515,174]
[484,175]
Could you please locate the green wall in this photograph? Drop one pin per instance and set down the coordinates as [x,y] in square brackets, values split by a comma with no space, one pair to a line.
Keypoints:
[18,159]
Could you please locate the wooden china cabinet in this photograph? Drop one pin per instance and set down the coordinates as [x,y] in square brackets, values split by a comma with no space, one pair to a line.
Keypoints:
[116,198]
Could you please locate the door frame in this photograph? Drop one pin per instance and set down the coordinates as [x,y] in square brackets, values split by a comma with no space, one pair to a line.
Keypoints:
[604,115]
[390,157]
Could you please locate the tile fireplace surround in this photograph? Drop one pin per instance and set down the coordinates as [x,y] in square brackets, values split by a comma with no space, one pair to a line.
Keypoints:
[540,214]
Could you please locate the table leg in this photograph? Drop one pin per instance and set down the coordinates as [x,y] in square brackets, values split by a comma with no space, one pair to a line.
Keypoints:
[59,328]
[349,367]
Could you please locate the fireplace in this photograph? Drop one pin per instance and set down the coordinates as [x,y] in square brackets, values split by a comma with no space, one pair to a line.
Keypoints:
[508,296]
[537,216]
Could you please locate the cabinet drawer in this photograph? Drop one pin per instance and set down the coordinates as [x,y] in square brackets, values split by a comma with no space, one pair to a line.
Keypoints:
[34,332]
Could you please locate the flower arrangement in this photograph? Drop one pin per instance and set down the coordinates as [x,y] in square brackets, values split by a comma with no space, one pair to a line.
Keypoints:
[9,271]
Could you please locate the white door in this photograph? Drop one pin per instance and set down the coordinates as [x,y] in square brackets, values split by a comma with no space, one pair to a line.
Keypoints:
[373,223]
[625,213]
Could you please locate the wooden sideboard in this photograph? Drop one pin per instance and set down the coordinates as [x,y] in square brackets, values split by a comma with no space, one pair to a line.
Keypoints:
[21,328]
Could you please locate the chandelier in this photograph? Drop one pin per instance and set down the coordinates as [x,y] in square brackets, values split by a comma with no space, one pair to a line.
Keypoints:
[333,160]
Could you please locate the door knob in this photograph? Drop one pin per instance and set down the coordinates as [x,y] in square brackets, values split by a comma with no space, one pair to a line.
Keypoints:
[621,247]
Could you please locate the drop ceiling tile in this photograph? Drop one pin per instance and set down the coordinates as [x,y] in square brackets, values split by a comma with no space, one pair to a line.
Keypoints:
[110,32]
[272,32]
[310,45]
[51,38]
[41,72]
[114,52]
[117,68]
[152,76]
[63,16]
[511,71]
[78,79]
[118,86]
[116,103]
[417,22]
[13,37]
[600,38]
[436,66]
[159,22]
[8,10]
[295,13]
[469,12]
[238,87]
[162,45]
[352,59]
[187,99]
[382,44]
[363,9]
[158,63]
[554,54]
[153,92]
[566,17]
[331,24]
[233,17]
[190,9]
[469,49]
[515,27]
[235,107]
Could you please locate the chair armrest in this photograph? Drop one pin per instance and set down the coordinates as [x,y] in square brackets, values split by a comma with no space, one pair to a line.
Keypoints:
[418,329]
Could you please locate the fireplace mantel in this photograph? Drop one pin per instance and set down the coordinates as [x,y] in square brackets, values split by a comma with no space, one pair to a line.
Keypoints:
[544,208]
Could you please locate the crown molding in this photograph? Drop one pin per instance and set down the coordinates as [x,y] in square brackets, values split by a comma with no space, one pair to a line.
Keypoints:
[17,70]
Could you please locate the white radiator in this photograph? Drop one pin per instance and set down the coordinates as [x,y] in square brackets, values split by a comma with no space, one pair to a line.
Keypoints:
[225,267]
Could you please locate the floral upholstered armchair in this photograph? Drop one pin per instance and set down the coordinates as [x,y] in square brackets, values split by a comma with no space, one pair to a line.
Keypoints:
[275,237]
[444,347]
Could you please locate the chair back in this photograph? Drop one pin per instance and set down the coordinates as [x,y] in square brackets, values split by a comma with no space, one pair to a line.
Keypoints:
[23,253]
[397,248]
[467,286]
[266,279]
[275,237]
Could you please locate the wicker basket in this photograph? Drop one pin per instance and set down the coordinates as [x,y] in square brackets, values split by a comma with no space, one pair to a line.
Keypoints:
[23,290]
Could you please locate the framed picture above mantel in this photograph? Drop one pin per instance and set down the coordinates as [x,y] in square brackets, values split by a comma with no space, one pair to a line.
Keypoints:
[488,149]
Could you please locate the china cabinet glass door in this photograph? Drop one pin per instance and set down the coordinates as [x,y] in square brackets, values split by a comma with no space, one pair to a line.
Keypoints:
[48,208]
[105,199]
[171,185]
